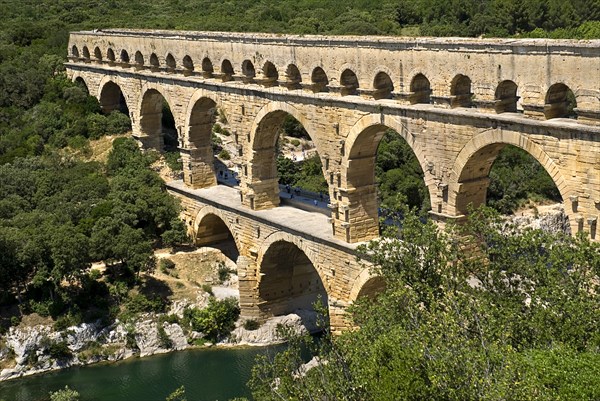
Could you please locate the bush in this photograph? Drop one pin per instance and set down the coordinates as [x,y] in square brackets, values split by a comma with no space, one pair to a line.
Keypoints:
[59,350]
[139,303]
[224,272]
[117,123]
[216,320]
[165,265]
[224,155]
[163,338]
[295,142]
[251,324]
[207,288]
[173,160]
[66,394]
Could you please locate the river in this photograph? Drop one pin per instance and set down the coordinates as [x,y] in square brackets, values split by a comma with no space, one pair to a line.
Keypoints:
[207,374]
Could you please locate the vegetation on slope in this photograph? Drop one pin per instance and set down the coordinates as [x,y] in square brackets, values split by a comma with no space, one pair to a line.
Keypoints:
[515,320]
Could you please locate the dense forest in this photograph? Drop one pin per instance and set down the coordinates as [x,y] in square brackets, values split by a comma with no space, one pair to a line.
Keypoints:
[529,331]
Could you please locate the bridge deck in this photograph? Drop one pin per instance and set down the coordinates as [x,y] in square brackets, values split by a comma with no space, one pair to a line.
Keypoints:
[311,225]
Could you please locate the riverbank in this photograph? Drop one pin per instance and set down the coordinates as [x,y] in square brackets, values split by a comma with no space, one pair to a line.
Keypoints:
[41,349]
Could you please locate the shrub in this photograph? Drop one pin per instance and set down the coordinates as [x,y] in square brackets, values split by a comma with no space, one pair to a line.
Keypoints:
[224,154]
[117,123]
[173,160]
[208,289]
[216,320]
[224,272]
[66,394]
[251,324]
[59,350]
[139,303]
[165,265]
[163,338]
[295,142]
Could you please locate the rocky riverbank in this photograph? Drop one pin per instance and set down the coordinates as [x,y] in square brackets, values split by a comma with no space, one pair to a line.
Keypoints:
[41,349]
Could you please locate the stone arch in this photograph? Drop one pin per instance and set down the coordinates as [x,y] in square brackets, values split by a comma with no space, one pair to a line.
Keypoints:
[150,111]
[360,207]
[188,65]
[289,277]
[270,74]
[293,77]
[111,97]
[97,54]
[366,284]
[212,226]
[226,70]
[85,53]
[124,56]
[348,83]
[139,58]
[319,80]
[81,81]
[560,102]
[170,62]
[198,157]
[469,176]
[460,91]
[382,86]
[506,97]
[207,68]
[248,71]
[262,177]
[154,62]
[110,55]
[420,89]
[74,51]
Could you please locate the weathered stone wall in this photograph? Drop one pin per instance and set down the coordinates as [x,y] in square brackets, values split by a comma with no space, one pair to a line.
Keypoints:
[341,274]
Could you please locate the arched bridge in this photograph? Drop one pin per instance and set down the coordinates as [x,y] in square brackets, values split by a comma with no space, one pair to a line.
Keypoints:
[456,102]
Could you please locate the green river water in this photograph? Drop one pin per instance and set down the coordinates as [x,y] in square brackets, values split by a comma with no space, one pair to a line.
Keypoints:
[207,374]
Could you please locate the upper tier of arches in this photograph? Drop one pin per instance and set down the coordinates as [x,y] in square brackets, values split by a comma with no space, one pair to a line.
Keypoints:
[559,100]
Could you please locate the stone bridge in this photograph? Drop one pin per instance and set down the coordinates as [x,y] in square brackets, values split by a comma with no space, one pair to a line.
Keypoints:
[456,102]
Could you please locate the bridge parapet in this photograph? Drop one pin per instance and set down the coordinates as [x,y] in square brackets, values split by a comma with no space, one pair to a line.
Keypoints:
[539,77]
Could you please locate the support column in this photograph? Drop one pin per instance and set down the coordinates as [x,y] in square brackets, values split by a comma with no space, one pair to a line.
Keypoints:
[356,217]
[198,167]
[149,132]
[248,287]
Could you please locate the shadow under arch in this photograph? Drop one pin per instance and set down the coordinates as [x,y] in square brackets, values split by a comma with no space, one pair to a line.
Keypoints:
[262,173]
[211,227]
[288,277]
[358,174]
[150,112]
[469,177]
[198,157]
[112,98]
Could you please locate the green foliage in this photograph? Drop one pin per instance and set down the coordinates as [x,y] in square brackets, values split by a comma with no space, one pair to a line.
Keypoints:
[66,394]
[224,155]
[514,318]
[516,177]
[177,395]
[163,338]
[216,320]
[139,303]
[165,265]
[251,324]
[173,160]
[224,272]
[399,175]
[59,350]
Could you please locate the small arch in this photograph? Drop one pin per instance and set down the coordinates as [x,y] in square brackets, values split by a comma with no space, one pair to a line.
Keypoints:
[372,288]
[171,63]
[125,56]
[110,55]
[506,97]
[207,68]
[211,228]
[383,86]
[226,70]
[460,91]
[81,82]
[349,83]
[420,90]
[319,80]
[560,102]
[74,51]
[293,78]
[112,99]
[270,74]
[97,53]
[248,71]
[289,280]
[154,61]
[85,52]
[188,64]
[139,58]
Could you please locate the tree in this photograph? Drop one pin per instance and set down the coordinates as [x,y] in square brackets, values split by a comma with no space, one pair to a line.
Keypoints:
[66,394]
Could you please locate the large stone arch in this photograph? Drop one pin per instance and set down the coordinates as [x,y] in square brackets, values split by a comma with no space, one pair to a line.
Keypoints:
[110,98]
[285,284]
[262,189]
[212,233]
[366,284]
[148,129]
[358,212]
[469,180]
[196,149]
